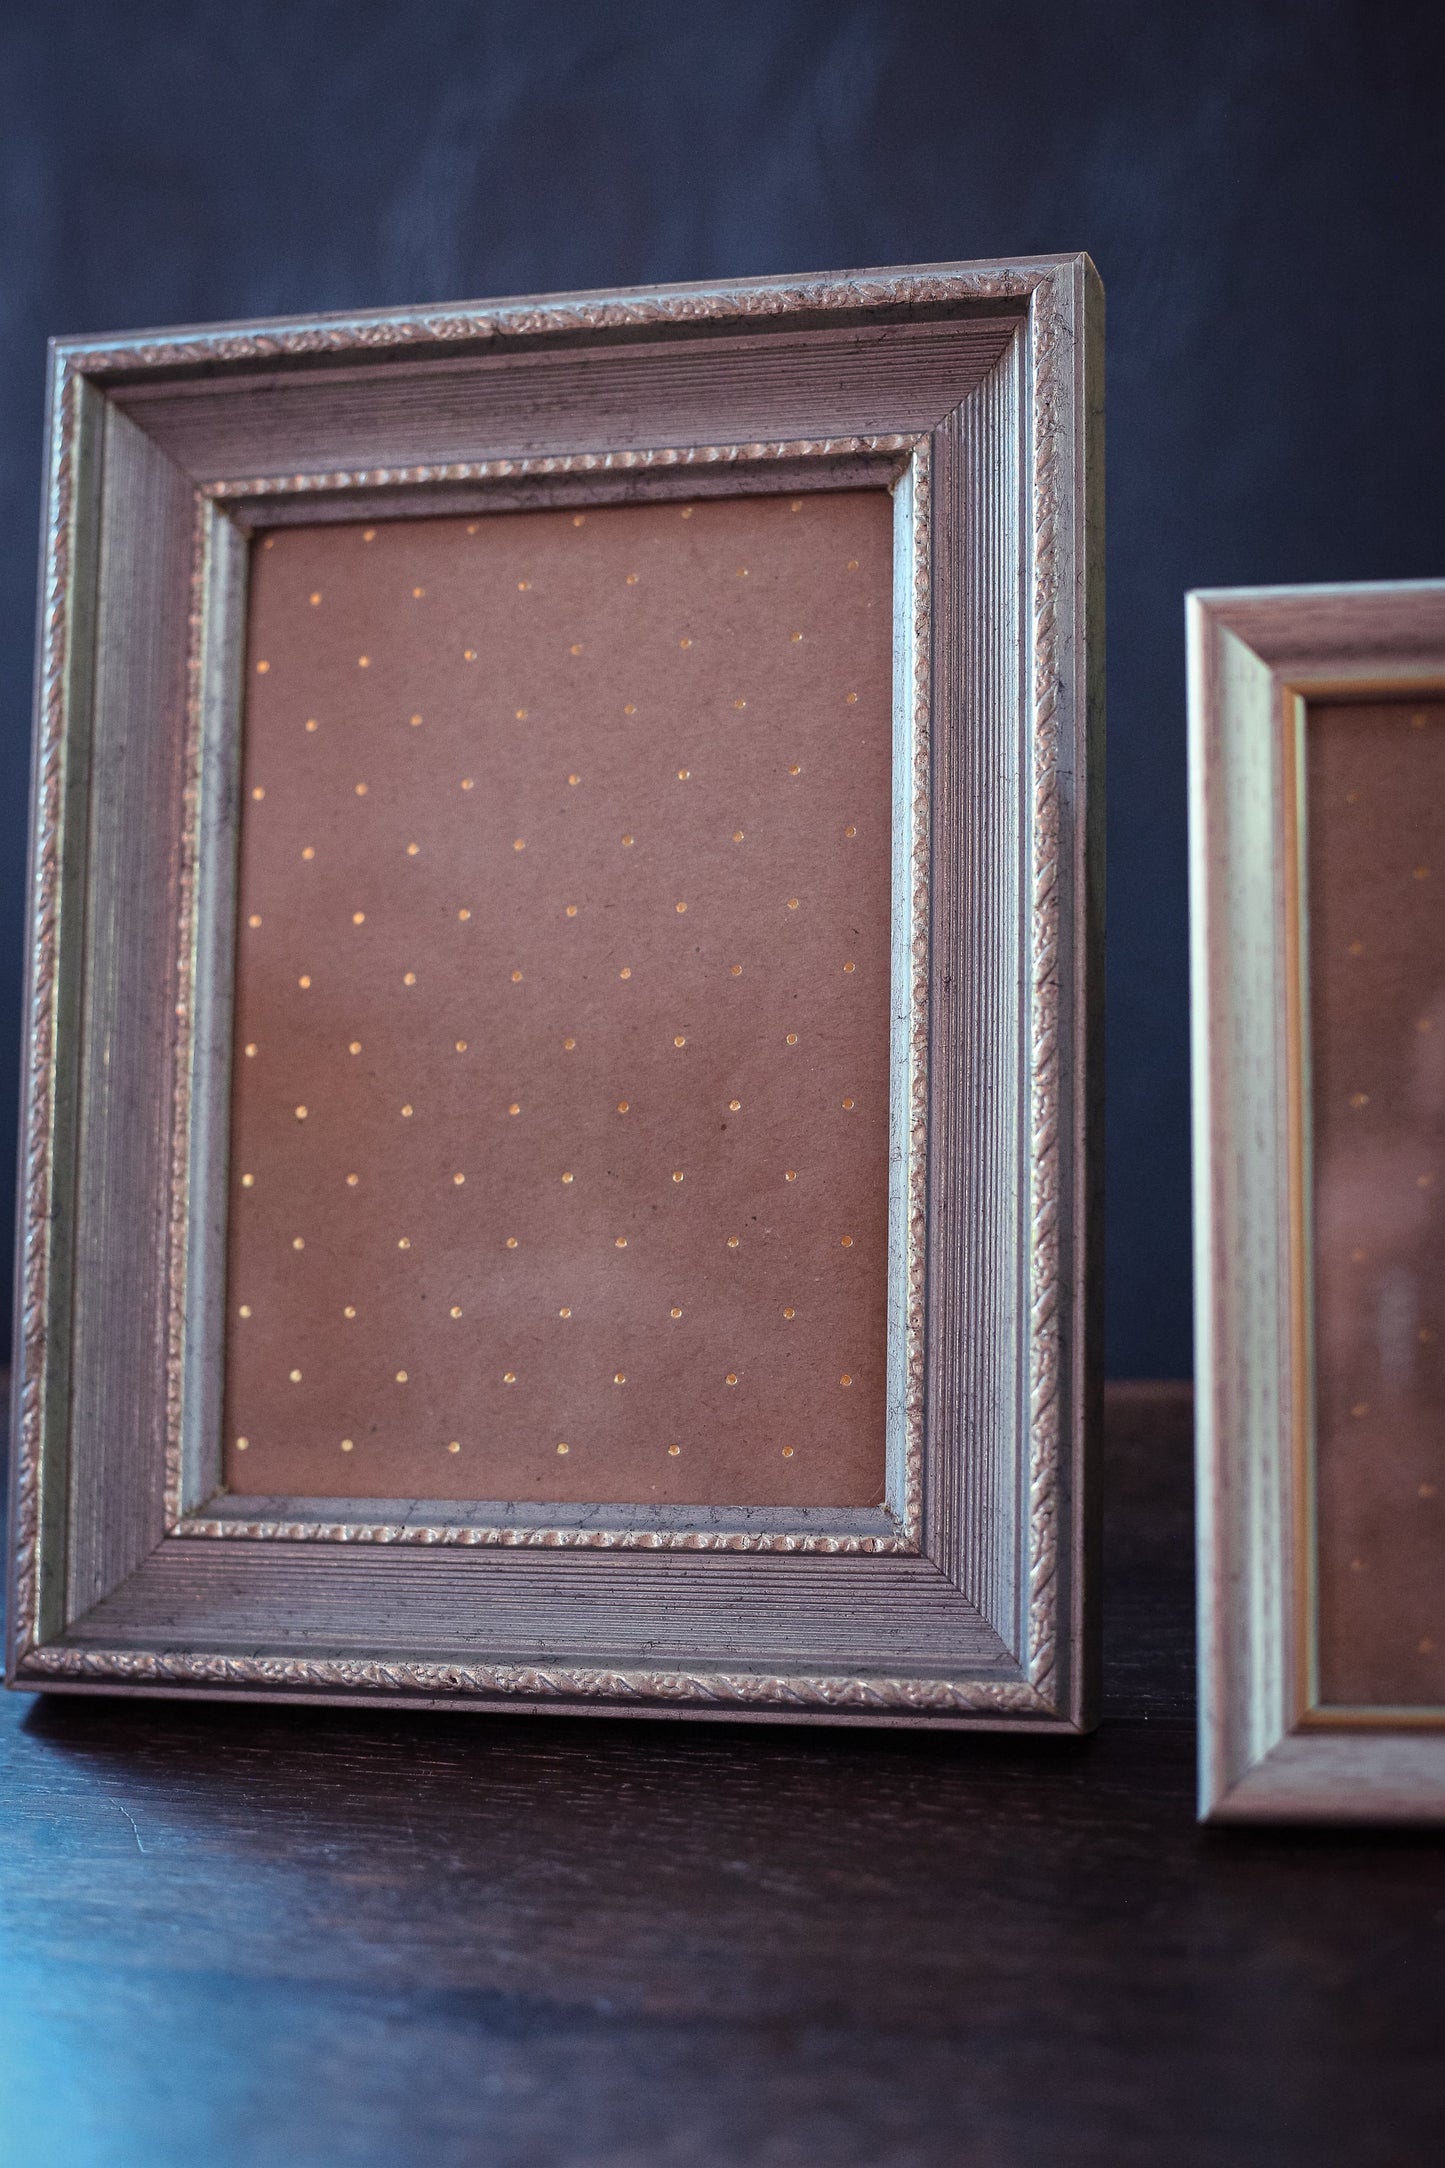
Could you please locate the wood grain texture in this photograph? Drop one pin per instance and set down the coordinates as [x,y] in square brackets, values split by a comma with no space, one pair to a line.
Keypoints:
[1265,1749]
[768,362]
[380,1937]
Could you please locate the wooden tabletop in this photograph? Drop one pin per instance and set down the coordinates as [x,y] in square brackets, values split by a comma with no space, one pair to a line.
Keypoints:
[308,1936]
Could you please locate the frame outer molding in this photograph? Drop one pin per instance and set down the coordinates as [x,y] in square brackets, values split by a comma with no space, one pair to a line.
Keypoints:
[1061,303]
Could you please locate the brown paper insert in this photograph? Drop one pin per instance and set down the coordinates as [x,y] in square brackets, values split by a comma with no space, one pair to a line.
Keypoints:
[1376,884]
[560,1104]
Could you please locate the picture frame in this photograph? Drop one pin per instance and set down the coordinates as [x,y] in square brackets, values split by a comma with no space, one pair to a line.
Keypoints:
[972,394]
[1307,707]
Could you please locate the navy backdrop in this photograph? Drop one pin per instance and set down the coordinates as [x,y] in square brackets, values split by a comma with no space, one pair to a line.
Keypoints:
[1262,187]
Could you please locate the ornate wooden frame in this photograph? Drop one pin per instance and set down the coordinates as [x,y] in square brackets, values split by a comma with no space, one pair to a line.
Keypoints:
[974,390]
[1269,1749]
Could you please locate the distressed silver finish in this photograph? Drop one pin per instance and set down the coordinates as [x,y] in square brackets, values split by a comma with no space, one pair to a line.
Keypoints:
[974,392]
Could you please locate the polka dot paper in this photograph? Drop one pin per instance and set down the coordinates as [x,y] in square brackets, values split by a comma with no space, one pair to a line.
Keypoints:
[559,1145]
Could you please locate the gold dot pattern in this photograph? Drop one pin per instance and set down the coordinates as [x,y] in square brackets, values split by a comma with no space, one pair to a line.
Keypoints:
[517,1253]
[1375,781]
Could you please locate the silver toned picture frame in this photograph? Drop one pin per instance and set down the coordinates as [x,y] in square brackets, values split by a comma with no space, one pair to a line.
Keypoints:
[1272,1746]
[973,392]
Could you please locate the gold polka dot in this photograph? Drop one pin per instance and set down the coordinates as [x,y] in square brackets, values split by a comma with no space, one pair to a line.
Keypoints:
[787,1452]
[401,1377]
[355,1047]
[415,721]
[461,1046]
[406,1112]
[736,970]
[632,579]
[417,593]
[262,668]
[625,972]
[845,1379]
[295,1376]
[456,1309]
[732,1242]
[792,1039]
[683,774]
[509,1377]
[734,1106]
[348,1445]
[469,654]
[741,573]
[311,723]
[413,850]
[850,967]
[627,843]
[404,1243]
[1356,948]
[568,1177]
[298,1242]
[848,1105]
[675,1313]
[304,981]
[352,1180]
[792,903]
[358,918]
[790,1174]
[455,1446]
[363,662]
[571,910]
[1359,1099]
[369,535]
[679,1041]
[850,832]
[684,643]
[687,511]
[681,907]
[301,1114]
[1357,1257]
[578,518]
[463,915]
[520,843]
[740,703]
[1422,873]
[630,708]
[242,1444]
[1361,1407]
[257,792]
[511,1242]
[563,1447]
[254,920]
[515,1107]
[408,978]
[524,587]
[458,1179]
[361,790]
[350,1310]
[852,564]
[623,1106]
[574,779]
[245,1310]
[796,768]
[564,1311]
[569,1046]
[308,852]
[847,1242]
[732,1378]
[737,835]
[851,698]
[673,1451]
[620,1243]
[619,1377]
[790,1313]
[516,978]
[678,1175]
[467,783]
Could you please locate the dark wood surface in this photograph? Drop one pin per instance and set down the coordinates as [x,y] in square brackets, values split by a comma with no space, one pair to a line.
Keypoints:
[294,1936]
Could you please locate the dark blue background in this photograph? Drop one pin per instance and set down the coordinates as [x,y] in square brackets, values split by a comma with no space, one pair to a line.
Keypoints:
[1262,187]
